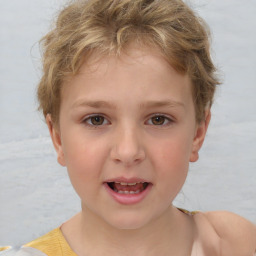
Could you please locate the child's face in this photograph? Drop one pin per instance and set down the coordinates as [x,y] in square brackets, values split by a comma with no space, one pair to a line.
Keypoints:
[128,120]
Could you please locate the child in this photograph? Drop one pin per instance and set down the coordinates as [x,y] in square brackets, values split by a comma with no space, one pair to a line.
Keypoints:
[126,91]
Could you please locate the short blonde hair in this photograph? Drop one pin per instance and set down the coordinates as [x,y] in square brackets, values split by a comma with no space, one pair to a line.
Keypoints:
[84,27]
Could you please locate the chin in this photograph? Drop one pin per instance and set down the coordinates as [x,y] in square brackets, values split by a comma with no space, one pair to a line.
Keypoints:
[128,221]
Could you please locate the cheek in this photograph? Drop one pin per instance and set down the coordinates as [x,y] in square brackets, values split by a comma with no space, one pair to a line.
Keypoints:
[174,152]
[171,160]
[84,161]
[82,151]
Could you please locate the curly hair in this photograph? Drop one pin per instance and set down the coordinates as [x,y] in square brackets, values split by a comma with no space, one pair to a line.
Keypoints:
[85,27]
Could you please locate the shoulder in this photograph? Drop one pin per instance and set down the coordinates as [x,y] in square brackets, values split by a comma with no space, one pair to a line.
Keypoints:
[51,244]
[52,236]
[48,244]
[237,235]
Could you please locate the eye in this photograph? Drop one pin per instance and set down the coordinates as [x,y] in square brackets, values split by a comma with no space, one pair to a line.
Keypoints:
[160,120]
[96,120]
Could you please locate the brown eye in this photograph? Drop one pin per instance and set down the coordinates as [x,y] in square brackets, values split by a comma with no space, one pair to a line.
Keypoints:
[158,120]
[96,120]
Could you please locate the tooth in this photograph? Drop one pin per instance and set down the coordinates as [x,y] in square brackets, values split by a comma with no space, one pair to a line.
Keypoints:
[123,183]
[127,192]
[132,184]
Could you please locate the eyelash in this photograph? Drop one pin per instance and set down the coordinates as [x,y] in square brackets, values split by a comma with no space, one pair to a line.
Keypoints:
[167,120]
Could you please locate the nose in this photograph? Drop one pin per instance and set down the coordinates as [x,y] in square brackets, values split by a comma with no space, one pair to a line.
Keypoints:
[127,147]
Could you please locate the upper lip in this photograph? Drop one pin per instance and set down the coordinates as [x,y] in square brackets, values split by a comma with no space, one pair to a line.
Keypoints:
[126,180]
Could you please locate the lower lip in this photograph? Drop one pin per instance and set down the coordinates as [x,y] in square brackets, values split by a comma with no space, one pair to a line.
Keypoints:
[128,199]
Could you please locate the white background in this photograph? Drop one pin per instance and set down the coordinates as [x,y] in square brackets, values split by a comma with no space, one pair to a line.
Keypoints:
[35,193]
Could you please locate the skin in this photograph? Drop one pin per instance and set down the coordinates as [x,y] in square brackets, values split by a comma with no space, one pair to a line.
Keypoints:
[127,93]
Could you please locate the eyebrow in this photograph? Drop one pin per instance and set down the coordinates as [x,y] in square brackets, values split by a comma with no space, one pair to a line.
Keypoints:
[94,104]
[148,104]
[162,103]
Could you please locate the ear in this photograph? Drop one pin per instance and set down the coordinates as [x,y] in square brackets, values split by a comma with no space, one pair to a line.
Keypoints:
[200,133]
[56,140]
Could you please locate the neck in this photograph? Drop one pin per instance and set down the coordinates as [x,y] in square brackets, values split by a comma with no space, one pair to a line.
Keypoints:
[86,231]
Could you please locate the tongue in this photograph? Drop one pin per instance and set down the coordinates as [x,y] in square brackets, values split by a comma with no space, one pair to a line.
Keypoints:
[138,186]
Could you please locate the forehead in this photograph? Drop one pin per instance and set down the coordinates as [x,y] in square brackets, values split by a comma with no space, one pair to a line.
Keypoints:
[137,71]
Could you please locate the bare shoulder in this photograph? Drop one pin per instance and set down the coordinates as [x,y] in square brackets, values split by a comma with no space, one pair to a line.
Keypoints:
[236,233]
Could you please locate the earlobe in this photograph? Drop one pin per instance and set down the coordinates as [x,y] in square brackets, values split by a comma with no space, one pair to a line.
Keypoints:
[200,136]
[56,140]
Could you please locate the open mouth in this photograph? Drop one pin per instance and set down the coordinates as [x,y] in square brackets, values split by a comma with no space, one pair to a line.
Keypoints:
[128,188]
